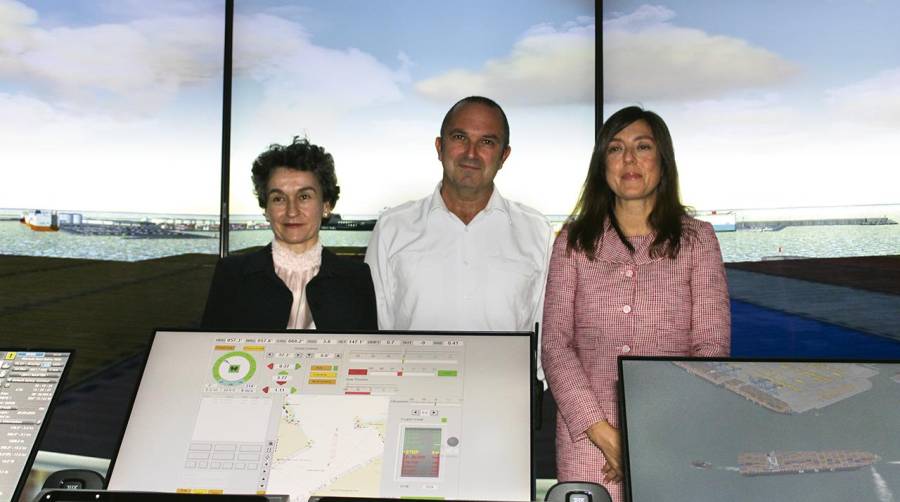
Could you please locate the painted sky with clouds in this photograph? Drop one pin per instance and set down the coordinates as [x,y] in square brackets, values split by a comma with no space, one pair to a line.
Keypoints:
[372,86]
[785,104]
[108,105]
[115,105]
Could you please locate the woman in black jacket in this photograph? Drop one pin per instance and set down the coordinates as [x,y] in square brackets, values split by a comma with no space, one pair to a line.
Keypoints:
[293,282]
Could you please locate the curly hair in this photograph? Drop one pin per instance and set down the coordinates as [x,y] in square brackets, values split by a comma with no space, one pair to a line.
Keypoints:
[300,155]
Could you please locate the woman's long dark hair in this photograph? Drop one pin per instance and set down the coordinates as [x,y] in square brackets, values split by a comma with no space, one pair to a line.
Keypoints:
[595,206]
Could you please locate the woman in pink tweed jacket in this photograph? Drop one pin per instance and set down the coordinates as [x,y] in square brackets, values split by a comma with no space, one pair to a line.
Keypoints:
[631,273]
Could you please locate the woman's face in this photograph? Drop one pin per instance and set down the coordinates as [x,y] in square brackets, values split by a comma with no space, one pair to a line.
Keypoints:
[632,163]
[294,208]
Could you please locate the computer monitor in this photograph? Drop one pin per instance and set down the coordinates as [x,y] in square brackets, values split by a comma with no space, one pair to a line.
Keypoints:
[29,385]
[729,429]
[122,496]
[389,414]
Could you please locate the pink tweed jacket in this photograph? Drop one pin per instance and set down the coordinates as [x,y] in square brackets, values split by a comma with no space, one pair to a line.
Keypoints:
[624,304]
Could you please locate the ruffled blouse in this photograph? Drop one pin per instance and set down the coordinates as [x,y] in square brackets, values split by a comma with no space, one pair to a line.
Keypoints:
[296,270]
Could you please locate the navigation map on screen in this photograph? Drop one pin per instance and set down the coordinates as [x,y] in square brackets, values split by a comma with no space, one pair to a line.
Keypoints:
[368,415]
[781,430]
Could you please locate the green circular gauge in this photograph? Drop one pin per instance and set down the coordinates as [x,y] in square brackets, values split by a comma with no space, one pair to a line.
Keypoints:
[234,368]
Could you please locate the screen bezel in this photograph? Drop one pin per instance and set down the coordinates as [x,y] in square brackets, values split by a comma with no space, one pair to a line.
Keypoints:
[620,384]
[125,496]
[533,382]
[51,406]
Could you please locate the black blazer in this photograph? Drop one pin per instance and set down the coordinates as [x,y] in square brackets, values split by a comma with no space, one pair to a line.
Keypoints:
[246,294]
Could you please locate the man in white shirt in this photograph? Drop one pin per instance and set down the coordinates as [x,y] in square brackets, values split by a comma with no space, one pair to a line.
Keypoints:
[463,258]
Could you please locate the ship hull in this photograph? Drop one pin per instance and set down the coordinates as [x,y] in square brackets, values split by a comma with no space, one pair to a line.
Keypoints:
[41,228]
[804,462]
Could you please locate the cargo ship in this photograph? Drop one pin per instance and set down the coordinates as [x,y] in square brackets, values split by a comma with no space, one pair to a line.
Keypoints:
[41,221]
[803,462]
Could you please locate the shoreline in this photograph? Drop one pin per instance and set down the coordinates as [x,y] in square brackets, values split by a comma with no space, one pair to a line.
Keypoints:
[137,228]
[795,241]
[776,225]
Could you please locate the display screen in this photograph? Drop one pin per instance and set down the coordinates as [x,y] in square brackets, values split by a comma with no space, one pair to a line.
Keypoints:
[411,414]
[780,430]
[110,496]
[29,383]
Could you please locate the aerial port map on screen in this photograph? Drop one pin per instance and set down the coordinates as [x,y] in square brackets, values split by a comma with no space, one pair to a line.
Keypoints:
[778,430]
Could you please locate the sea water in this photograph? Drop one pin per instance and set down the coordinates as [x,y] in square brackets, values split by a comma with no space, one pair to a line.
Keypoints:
[800,241]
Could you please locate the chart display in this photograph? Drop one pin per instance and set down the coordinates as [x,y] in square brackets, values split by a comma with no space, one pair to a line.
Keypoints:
[781,430]
[364,415]
[28,383]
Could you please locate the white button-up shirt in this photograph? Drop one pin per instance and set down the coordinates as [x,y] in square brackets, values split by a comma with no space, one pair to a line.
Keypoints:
[433,272]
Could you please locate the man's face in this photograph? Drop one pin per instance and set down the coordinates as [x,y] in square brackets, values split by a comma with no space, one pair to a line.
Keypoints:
[472,150]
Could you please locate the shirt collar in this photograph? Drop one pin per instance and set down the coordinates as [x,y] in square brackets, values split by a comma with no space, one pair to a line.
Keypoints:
[285,258]
[495,203]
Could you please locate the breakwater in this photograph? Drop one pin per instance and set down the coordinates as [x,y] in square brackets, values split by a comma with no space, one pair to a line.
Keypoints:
[776,225]
[129,231]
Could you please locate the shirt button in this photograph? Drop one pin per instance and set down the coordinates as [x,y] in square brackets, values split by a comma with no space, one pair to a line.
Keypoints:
[626,348]
[626,309]
[629,273]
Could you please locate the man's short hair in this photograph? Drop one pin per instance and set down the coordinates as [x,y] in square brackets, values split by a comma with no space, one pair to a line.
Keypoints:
[481,100]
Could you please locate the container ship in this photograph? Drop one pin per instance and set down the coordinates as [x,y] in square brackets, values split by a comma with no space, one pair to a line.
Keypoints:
[802,462]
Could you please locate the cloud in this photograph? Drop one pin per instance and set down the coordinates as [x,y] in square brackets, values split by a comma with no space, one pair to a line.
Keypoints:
[740,122]
[643,16]
[96,162]
[645,58]
[770,150]
[280,54]
[296,85]
[547,66]
[286,83]
[138,9]
[138,67]
[14,21]
[874,101]
[26,124]
[126,68]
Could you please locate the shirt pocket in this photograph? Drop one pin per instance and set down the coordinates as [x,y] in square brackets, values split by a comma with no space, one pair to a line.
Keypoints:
[422,281]
[411,271]
[511,284]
